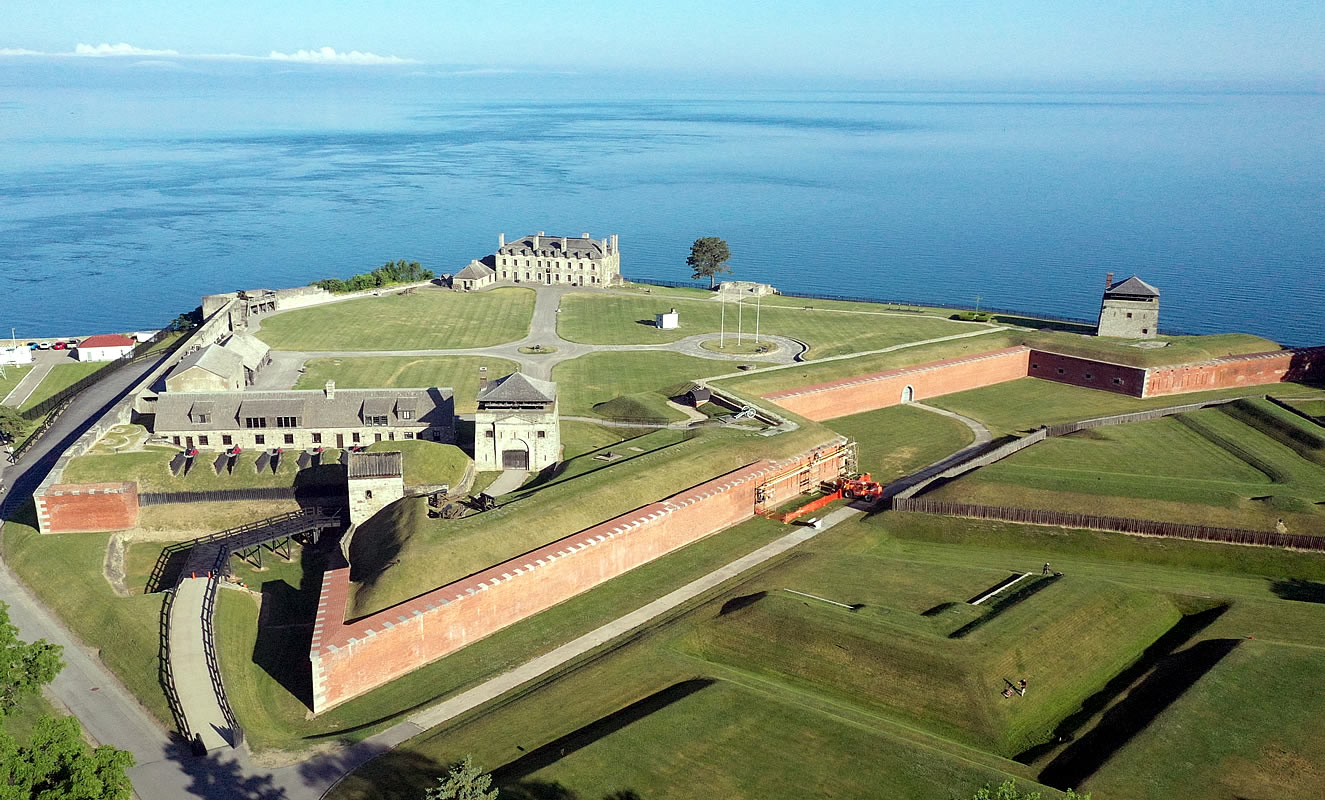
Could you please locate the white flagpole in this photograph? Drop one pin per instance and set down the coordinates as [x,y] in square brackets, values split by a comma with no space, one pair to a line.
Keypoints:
[722,327]
[758,298]
[739,331]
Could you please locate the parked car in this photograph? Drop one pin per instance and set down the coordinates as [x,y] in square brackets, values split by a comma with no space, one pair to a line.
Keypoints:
[59,346]
[33,346]
[73,342]
[44,346]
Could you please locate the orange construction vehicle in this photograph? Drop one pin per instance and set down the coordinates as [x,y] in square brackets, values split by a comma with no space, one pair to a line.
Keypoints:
[861,488]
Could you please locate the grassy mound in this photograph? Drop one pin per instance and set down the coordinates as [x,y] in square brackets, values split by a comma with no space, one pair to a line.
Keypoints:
[640,407]
[428,463]
[1305,438]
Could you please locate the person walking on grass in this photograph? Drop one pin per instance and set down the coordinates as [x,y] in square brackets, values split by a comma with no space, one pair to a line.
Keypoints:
[1046,569]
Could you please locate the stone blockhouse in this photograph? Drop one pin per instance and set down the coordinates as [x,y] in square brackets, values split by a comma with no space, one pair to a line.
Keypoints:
[375,481]
[474,276]
[557,260]
[516,425]
[304,418]
[208,369]
[252,351]
[1130,309]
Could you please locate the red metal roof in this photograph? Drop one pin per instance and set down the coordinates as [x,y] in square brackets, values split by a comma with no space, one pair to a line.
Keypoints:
[107,340]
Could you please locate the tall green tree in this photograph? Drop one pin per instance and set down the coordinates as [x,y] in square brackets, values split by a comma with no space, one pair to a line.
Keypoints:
[708,257]
[464,782]
[55,762]
[12,424]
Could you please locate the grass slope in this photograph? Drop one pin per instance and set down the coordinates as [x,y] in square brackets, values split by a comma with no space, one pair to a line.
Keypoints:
[429,319]
[428,463]
[893,442]
[13,377]
[596,378]
[61,377]
[150,468]
[460,373]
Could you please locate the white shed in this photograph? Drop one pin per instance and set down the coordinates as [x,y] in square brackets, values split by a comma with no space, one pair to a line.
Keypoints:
[668,320]
[104,347]
[17,355]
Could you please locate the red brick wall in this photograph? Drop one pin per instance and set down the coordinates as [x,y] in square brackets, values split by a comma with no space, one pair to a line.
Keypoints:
[349,659]
[1256,369]
[72,508]
[1087,373]
[883,389]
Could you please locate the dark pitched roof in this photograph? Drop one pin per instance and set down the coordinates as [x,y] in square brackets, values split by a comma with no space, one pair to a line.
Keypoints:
[518,388]
[1134,287]
[312,407]
[576,247]
[388,464]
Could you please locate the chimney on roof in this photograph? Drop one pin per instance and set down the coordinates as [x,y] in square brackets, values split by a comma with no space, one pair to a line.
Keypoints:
[330,390]
[1108,280]
[482,378]
[614,243]
[584,235]
[501,240]
[563,244]
[542,233]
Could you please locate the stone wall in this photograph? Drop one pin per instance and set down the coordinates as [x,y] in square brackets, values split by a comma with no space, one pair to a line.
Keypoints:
[351,658]
[1256,369]
[883,389]
[1085,372]
[74,508]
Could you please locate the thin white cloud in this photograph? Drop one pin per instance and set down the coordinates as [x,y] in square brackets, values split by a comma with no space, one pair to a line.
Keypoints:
[321,55]
[329,55]
[120,49]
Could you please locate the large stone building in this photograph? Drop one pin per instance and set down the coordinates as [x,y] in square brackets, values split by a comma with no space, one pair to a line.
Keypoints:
[1130,309]
[558,260]
[224,367]
[516,425]
[304,418]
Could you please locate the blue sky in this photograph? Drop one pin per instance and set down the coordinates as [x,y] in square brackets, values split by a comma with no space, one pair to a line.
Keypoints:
[1144,40]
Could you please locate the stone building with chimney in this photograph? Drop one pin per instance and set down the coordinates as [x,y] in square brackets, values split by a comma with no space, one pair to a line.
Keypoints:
[1130,309]
[558,260]
[516,425]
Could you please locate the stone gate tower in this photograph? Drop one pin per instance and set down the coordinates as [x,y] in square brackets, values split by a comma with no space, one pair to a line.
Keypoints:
[1130,309]
[516,426]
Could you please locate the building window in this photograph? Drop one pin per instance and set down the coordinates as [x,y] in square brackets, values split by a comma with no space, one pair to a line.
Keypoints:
[258,438]
[177,442]
[409,434]
[1090,377]
[1034,365]
[1061,371]
[289,438]
[354,437]
[287,422]
[1145,330]
[374,420]
[202,440]
[227,439]
[405,413]
[368,494]
[377,437]
[390,435]
[199,419]
[542,434]
[1117,381]
[1129,315]
[317,438]
[255,422]
[486,435]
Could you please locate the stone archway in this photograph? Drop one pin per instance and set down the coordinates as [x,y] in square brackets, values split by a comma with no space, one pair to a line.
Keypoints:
[515,455]
[908,394]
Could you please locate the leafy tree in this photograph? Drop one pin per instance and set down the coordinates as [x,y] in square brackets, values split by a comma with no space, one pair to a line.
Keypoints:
[400,271]
[186,321]
[464,782]
[56,762]
[1008,791]
[708,257]
[12,424]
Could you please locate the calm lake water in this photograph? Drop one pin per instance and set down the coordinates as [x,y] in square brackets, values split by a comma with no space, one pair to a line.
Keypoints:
[131,189]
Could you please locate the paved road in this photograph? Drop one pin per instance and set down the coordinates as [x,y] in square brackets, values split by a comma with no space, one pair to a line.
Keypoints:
[24,389]
[188,667]
[508,481]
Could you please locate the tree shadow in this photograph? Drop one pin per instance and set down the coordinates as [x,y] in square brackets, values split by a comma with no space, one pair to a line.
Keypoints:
[1297,589]
[371,771]
[219,775]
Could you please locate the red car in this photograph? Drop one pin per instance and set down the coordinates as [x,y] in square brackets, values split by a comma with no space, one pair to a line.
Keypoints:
[60,346]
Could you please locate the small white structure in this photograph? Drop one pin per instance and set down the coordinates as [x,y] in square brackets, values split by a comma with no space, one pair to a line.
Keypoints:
[375,481]
[17,355]
[475,276]
[668,320]
[104,347]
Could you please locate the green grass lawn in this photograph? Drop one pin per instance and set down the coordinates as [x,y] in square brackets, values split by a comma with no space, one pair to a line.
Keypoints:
[460,373]
[61,377]
[1028,403]
[1207,467]
[1179,349]
[13,377]
[150,468]
[1312,408]
[893,442]
[613,319]
[428,463]
[429,319]
[644,378]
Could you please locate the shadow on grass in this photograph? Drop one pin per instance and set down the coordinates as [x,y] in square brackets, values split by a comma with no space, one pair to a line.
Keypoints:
[1182,632]
[737,603]
[1300,590]
[936,610]
[516,771]
[1166,683]
[393,775]
[285,626]
[551,790]
[1005,603]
